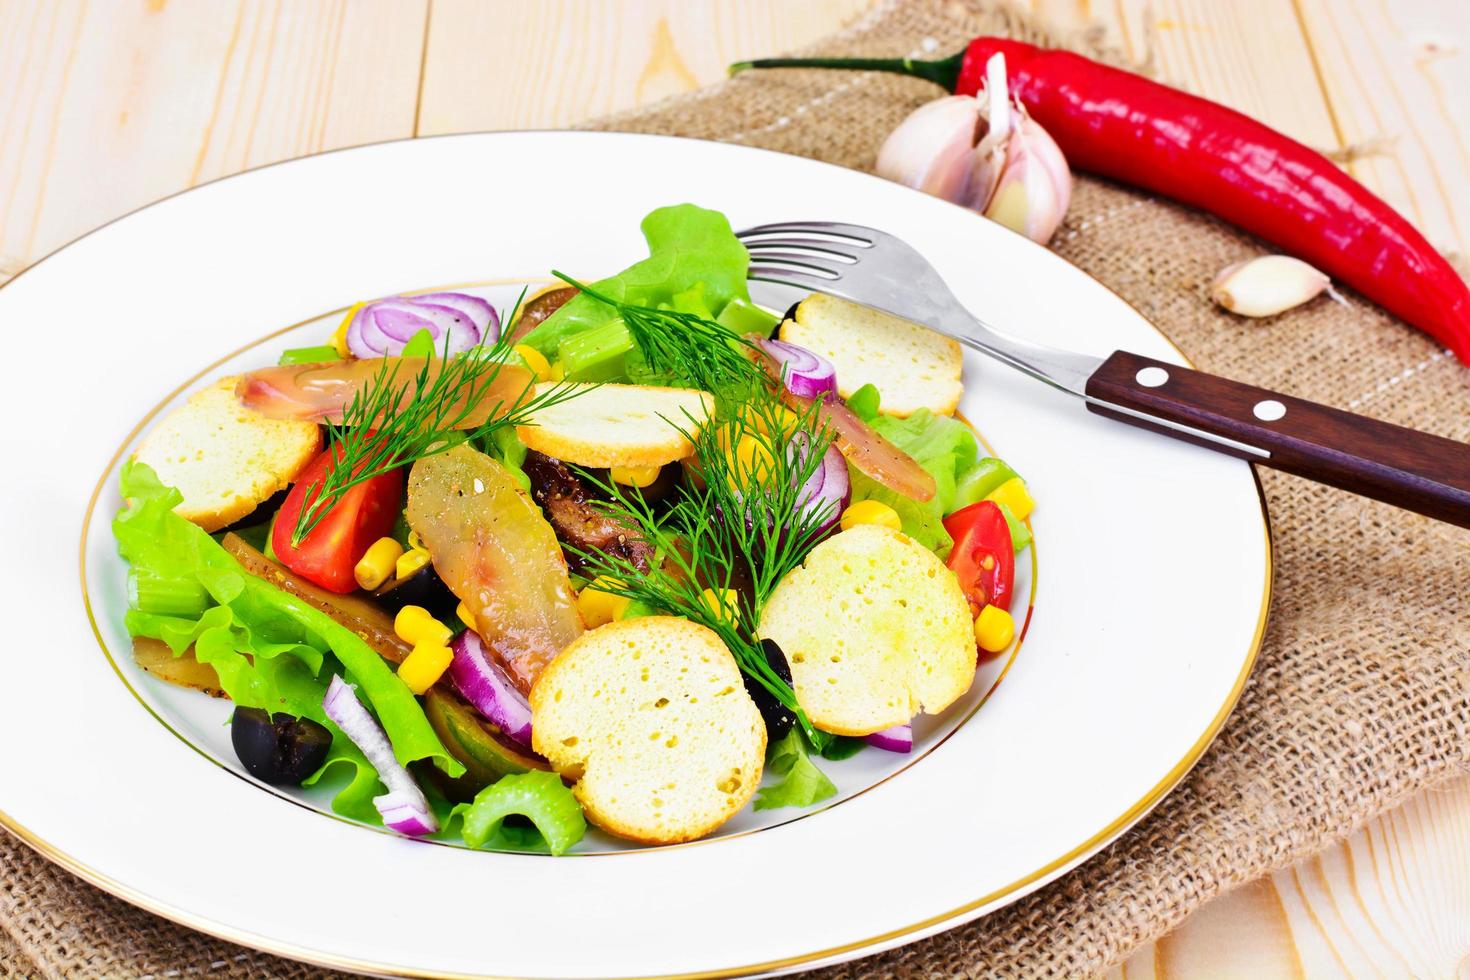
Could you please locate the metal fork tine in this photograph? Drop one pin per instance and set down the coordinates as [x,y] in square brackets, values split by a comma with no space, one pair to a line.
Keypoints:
[799,261]
[788,277]
[858,234]
[807,244]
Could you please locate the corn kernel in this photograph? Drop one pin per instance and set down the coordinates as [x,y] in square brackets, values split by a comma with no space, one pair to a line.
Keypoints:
[414,625]
[377,563]
[535,360]
[599,608]
[415,543]
[424,666]
[465,616]
[994,629]
[724,603]
[751,459]
[871,512]
[339,336]
[635,476]
[1015,496]
[409,562]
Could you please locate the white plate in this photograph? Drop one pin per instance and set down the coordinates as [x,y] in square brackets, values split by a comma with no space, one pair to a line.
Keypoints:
[1149,605]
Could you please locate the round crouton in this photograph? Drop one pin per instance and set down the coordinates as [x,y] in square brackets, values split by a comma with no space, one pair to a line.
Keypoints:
[224,458]
[911,366]
[650,717]
[875,629]
[619,425]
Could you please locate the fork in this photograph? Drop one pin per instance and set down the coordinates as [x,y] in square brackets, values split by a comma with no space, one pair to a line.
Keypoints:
[1410,469]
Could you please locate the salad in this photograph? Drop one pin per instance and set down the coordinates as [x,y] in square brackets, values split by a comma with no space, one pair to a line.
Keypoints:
[636,553]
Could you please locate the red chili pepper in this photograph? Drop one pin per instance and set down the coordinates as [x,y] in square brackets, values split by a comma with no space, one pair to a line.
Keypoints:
[983,557]
[361,515]
[1123,126]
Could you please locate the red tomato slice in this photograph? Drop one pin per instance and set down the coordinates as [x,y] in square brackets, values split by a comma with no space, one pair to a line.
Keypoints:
[983,558]
[362,515]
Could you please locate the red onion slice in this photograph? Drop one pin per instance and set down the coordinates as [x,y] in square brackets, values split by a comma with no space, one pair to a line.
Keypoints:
[805,373]
[399,325]
[480,312]
[829,486]
[899,738]
[383,327]
[403,808]
[483,684]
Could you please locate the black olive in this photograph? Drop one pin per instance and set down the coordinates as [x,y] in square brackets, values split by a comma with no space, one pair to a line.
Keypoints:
[778,717]
[279,749]
[423,588]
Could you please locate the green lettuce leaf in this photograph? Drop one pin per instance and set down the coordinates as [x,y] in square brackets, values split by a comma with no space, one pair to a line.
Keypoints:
[943,446]
[694,263]
[865,402]
[269,648]
[803,783]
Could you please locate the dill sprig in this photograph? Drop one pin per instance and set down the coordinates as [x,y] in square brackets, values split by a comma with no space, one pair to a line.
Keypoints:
[393,422]
[698,351]
[744,526]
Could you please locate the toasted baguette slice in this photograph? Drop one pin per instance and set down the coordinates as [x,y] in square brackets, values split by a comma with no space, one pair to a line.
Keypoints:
[911,366]
[651,718]
[224,458]
[875,630]
[619,425]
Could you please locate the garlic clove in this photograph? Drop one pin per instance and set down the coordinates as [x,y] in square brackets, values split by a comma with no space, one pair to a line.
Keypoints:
[1050,156]
[1267,285]
[1028,198]
[987,164]
[1020,178]
[930,150]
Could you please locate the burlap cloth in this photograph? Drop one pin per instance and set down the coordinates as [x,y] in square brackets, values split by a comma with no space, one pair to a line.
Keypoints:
[1361,695]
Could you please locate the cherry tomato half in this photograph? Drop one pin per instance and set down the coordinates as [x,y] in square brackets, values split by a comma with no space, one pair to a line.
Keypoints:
[362,515]
[983,558]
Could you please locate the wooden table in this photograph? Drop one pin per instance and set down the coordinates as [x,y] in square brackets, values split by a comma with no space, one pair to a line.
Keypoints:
[108,105]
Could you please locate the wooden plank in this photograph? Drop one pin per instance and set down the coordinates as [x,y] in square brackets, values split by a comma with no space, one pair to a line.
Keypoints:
[1399,71]
[1248,54]
[1392,900]
[508,64]
[104,107]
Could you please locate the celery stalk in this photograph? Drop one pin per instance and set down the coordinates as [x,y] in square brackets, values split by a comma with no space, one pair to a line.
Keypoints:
[597,353]
[744,317]
[153,591]
[977,484]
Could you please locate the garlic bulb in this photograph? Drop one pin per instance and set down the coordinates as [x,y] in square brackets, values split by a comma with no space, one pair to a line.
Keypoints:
[986,154]
[1267,285]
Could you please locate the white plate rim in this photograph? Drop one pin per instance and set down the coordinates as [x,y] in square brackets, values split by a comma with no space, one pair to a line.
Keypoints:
[909,933]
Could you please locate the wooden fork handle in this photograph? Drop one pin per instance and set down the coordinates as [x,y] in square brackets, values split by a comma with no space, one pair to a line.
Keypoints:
[1414,470]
